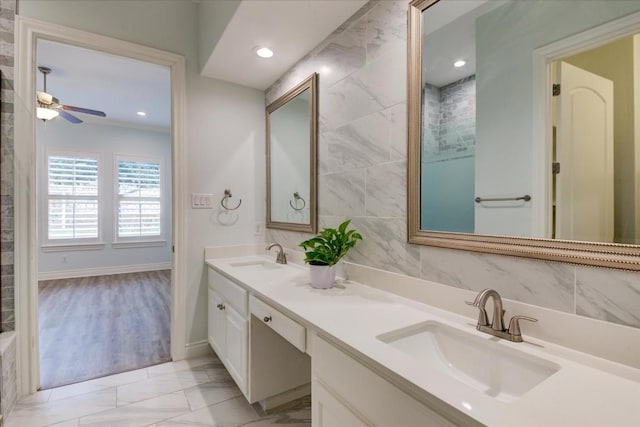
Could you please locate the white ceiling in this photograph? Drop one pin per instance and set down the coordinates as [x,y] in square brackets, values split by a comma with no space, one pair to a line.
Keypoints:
[117,85]
[290,28]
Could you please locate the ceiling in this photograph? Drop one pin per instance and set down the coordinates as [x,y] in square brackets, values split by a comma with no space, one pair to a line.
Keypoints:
[449,34]
[122,86]
[290,28]
[117,85]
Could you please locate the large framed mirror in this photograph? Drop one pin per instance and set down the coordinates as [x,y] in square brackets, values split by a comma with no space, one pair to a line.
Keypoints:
[524,128]
[291,159]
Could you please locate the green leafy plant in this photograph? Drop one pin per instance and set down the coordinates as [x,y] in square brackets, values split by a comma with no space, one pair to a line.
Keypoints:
[330,245]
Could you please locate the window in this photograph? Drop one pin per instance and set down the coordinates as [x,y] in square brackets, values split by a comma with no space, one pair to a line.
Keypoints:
[138,199]
[72,198]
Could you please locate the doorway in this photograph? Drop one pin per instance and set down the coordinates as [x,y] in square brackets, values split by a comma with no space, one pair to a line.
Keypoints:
[26,225]
[103,149]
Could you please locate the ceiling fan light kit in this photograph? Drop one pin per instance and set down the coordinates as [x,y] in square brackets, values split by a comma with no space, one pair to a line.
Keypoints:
[50,108]
[46,113]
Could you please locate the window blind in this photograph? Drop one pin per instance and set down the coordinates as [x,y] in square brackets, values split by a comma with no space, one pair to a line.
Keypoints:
[72,206]
[139,199]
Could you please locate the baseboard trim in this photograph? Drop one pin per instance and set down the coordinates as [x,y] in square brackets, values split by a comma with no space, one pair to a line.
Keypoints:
[289,396]
[198,349]
[103,271]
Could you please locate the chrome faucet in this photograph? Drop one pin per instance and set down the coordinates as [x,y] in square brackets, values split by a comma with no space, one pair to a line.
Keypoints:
[496,327]
[281,258]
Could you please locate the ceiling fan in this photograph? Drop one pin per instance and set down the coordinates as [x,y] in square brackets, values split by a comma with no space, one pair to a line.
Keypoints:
[49,107]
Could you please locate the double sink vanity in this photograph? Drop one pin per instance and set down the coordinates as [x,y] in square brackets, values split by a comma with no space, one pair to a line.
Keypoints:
[374,358]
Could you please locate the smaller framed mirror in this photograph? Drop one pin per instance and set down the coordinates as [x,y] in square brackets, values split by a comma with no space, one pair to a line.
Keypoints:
[291,159]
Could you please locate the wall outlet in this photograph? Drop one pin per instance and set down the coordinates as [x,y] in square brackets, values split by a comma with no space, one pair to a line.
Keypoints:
[201,201]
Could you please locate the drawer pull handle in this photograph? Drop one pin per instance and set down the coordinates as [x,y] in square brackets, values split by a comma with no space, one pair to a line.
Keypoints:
[221,306]
[267,319]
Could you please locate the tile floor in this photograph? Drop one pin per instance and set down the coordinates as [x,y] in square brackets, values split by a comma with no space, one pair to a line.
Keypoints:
[196,392]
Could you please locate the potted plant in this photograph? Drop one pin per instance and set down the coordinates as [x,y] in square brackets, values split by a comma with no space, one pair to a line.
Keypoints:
[323,252]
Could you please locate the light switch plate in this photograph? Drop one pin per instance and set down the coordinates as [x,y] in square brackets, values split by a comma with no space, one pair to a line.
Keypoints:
[201,201]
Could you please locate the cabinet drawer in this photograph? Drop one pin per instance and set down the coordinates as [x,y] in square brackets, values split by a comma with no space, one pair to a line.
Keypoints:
[233,294]
[289,329]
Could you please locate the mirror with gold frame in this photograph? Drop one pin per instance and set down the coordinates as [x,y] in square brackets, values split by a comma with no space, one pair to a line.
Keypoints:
[291,124]
[524,137]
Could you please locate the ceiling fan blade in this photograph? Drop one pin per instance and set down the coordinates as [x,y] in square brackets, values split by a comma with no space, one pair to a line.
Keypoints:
[83,110]
[70,117]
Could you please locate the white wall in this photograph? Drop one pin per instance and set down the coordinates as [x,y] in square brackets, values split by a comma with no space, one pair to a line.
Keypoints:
[106,141]
[224,129]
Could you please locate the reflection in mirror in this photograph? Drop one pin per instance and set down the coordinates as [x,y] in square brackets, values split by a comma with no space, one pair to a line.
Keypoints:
[291,159]
[526,124]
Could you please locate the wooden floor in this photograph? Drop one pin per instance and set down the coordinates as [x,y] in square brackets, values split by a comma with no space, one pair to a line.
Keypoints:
[95,326]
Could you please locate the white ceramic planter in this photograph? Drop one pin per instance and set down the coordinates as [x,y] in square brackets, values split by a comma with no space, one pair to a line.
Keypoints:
[322,276]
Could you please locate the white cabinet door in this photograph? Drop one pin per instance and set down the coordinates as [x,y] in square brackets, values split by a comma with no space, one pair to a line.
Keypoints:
[236,347]
[328,411]
[217,320]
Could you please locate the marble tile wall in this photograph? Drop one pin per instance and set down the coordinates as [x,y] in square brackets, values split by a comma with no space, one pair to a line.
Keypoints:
[362,175]
[7,18]
[8,382]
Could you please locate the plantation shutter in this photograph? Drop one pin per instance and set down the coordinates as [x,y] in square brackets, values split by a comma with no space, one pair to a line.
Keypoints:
[139,198]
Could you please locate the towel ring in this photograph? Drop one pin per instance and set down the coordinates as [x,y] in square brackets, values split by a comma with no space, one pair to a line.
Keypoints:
[296,197]
[224,201]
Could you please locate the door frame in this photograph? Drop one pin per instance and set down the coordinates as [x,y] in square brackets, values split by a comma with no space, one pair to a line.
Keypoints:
[28,31]
[542,129]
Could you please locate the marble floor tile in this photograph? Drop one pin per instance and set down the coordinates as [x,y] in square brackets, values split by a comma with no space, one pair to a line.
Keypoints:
[74,390]
[211,393]
[188,393]
[49,413]
[141,413]
[182,365]
[157,386]
[121,379]
[70,423]
[232,412]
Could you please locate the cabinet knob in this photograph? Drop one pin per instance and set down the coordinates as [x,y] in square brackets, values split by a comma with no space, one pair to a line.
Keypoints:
[267,319]
[221,306]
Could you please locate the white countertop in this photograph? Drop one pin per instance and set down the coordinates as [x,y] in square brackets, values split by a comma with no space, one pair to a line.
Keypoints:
[354,314]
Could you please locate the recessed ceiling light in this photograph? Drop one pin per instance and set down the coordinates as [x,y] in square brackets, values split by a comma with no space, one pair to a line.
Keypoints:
[459,63]
[141,113]
[264,52]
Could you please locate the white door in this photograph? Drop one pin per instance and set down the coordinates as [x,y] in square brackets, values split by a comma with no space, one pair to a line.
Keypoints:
[216,327]
[236,338]
[584,198]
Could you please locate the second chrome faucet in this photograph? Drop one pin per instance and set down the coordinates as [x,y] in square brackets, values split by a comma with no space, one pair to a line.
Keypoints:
[496,327]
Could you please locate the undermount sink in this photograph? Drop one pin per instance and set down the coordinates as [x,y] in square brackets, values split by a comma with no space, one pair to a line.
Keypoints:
[484,364]
[256,264]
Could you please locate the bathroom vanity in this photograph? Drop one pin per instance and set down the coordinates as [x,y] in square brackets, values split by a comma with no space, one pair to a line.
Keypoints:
[378,359]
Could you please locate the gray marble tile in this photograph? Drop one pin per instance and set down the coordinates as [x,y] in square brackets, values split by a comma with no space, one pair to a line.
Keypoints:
[386,190]
[385,246]
[541,283]
[386,28]
[610,295]
[288,239]
[341,193]
[361,143]
[384,81]
[345,101]
[397,118]
[343,55]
